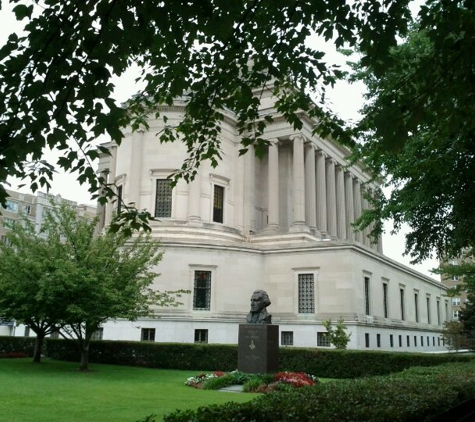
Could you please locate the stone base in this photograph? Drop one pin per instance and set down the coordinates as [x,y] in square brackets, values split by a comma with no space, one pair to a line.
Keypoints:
[258,350]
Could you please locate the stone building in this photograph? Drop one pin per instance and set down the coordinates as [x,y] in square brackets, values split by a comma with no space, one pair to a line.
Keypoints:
[282,224]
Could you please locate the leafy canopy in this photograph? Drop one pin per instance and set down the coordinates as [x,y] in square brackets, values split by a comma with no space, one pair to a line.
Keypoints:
[56,86]
[418,133]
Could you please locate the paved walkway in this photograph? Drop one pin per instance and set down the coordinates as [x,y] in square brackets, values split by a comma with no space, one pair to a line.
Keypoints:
[232,389]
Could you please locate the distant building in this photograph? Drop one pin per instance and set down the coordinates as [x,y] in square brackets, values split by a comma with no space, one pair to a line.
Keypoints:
[282,224]
[33,207]
[458,301]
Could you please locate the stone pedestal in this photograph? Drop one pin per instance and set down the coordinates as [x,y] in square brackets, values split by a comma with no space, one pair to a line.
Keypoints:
[258,350]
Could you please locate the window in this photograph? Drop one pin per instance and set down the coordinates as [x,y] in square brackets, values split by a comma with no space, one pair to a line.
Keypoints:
[11,206]
[438,312]
[385,300]
[401,294]
[446,310]
[148,334]
[97,335]
[415,341]
[27,331]
[322,339]
[433,341]
[400,341]
[201,336]
[456,301]
[416,306]
[378,340]
[202,291]
[366,295]
[27,209]
[163,198]
[455,278]
[218,204]
[391,340]
[54,334]
[287,338]
[120,196]
[8,222]
[428,309]
[306,294]
[408,341]
[455,314]
[366,339]
[428,342]
[422,341]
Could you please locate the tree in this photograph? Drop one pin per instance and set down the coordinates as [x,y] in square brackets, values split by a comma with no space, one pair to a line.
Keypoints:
[337,336]
[467,318]
[453,335]
[56,79]
[87,279]
[417,132]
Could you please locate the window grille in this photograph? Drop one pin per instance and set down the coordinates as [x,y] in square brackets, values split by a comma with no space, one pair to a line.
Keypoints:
[428,310]
[201,336]
[218,204]
[306,294]
[366,295]
[202,290]
[163,198]
[97,335]
[148,334]
[385,300]
[401,293]
[287,338]
[323,339]
[416,305]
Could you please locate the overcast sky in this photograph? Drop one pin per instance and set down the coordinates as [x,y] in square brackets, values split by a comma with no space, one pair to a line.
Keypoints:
[345,99]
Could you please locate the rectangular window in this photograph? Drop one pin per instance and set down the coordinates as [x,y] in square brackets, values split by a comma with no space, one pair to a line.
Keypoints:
[415,341]
[455,314]
[27,209]
[366,295]
[163,198]
[433,341]
[201,336]
[391,340]
[11,206]
[446,310]
[428,342]
[148,334]
[456,301]
[378,340]
[438,312]
[218,204]
[455,278]
[27,331]
[408,341]
[202,291]
[400,341]
[366,339]
[422,341]
[8,223]
[97,335]
[322,339]
[287,338]
[385,300]
[428,310]
[306,294]
[416,306]
[401,294]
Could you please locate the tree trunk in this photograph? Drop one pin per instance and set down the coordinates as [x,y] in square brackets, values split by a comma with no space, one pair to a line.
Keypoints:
[84,357]
[38,347]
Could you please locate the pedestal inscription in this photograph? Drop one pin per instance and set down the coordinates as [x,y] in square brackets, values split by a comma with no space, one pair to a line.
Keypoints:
[258,350]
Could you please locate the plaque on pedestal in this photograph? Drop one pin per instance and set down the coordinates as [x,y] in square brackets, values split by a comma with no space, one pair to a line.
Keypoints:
[258,350]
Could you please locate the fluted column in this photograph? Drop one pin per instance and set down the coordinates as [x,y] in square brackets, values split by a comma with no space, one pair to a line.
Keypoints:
[350,213]
[310,187]
[249,192]
[357,207]
[340,202]
[366,230]
[194,199]
[101,208]
[273,221]
[321,193]
[299,180]
[111,183]
[133,197]
[331,197]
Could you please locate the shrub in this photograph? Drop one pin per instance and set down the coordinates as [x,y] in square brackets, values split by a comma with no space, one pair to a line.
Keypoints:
[9,344]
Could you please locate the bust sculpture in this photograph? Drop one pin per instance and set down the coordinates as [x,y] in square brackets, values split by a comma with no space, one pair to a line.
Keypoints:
[258,314]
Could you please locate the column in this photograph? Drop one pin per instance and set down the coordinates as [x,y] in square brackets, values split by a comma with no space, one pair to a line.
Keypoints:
[331,197]
[310,187]
[321,193]
[101,208]
[111,183]
[299,180]
[350,213]
[366,230]
[357,207]
[273,220]
[135,169]
[340,202]
[249,192]
[194,199]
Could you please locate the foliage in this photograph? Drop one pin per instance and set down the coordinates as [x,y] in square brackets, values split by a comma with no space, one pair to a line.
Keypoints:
[209,357]
[57,76]
[10,344]
[412,395]
[58,392]
[417,133]
[467,318]
[337,336]
[71,281]
[453,335]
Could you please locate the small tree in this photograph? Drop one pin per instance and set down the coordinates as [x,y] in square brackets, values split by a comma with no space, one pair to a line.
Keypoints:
[337,336]
[453,335]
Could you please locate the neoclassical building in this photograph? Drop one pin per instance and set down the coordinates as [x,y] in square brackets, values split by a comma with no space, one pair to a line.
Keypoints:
[282,224]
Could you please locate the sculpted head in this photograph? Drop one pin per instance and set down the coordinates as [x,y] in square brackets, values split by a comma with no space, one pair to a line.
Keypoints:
[259,301]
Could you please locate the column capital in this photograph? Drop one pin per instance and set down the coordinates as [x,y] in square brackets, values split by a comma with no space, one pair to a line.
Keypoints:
[322,153]
[297,136]
[273,141]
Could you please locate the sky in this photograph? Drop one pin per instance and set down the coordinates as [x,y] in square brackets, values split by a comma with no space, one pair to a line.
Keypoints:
[345,99]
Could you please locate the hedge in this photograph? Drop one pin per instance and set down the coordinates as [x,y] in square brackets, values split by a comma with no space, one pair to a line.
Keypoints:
[9,345]
[208,357]
[417,394]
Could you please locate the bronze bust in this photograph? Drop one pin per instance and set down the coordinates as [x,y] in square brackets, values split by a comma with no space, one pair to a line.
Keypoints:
[258,314]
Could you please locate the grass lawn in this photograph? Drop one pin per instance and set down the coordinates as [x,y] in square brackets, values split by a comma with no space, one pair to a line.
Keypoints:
[55,391]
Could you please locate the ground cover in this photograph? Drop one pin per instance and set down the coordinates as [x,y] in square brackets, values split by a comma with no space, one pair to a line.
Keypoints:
[56,391]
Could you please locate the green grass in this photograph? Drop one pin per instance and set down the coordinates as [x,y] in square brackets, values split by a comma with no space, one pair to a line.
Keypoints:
[56,391]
